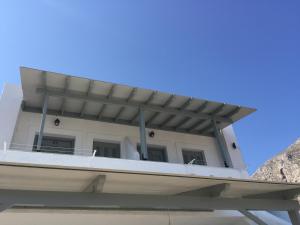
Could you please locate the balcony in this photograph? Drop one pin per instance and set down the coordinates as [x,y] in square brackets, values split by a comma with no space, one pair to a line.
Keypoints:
[25,156]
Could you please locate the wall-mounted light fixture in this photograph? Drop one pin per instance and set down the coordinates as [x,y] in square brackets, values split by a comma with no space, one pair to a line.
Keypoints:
[57,122]
[234,145]
[151,134]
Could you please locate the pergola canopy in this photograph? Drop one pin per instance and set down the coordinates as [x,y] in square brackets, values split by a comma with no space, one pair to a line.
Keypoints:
[109,102]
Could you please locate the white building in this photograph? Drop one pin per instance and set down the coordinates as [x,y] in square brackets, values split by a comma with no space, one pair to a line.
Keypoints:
[78,151]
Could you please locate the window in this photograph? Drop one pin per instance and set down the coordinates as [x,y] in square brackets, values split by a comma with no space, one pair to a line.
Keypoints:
[194,157]
[155,153]
[105,149]
[57,145]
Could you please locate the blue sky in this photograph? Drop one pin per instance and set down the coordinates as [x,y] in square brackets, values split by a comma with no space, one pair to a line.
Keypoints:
[241,52]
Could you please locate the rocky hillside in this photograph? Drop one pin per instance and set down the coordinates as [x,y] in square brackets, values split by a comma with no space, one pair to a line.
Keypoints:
[284,167]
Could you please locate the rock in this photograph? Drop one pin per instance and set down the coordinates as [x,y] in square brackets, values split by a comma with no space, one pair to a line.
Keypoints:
[284,167]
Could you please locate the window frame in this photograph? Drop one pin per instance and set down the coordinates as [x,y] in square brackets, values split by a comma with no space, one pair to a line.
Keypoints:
[107,142]
[194,151]
[54,136]
[162,147]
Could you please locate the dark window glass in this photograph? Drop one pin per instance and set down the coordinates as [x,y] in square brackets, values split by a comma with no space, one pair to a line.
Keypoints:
[194,157]
[55,145]
[155,153]
[104,149]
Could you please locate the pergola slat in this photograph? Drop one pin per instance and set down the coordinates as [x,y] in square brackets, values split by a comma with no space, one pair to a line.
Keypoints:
[148,107]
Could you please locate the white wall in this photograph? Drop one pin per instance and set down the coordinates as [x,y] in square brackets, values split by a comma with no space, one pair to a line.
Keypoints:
[235,154]
[85,131]
[10,102]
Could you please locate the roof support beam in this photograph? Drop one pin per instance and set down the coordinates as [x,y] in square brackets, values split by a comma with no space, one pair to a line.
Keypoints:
[167,120]
[108,96]
[145,103]
[206,128]
[214,191]
[217,109]
[182,107]
[194,126]
[41,131]
[213,113]
[140,202]
[289,194]
[96,185]
[4,206]
[182,122]
[169,101]
[186,103]
[233,112]
[111,91]
[166,104]
[66,86]
[83,109]
[119,113]
[294,217]
[44,79]
[200,109]
[252,217]
[107,120]
[222,145]
[91,82]
[149,121]
[143,140]
[102,108]
[130,96]
[150,98]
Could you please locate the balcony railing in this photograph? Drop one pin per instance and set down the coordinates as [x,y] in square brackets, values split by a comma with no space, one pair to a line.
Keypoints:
[84,158]
[51,149]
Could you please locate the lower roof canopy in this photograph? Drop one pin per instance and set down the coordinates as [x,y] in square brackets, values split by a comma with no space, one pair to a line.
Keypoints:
[23,177]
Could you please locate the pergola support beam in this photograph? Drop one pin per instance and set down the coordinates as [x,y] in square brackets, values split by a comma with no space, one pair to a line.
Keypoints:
[141,202]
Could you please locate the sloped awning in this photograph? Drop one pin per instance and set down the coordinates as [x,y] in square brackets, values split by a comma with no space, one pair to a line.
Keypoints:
[97,100]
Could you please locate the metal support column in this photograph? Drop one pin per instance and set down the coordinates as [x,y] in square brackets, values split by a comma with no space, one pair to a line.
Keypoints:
[294,217]
[41,132]
[252,217]
[143,141]
[222,145]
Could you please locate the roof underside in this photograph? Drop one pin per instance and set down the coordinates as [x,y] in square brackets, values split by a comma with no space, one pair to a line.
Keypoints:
[97,100]
[16,177]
